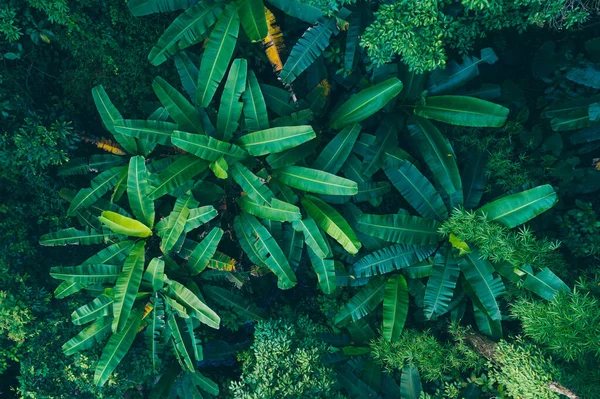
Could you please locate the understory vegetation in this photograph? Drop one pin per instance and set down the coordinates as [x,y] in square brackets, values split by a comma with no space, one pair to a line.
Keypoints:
[295,199]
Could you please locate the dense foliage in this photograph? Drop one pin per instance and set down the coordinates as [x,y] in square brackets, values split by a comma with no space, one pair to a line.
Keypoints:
[299,199]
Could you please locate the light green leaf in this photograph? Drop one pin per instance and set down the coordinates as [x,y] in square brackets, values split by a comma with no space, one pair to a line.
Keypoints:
[127,286]
[137,192]
[230,109]
[123,225]
[88,337]
[276,139]
[204,251]
[198,308]
[254,109]
[315,181]
[207,148]
[278,210]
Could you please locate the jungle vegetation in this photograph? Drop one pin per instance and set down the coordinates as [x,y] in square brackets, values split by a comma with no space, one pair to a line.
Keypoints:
[300,199]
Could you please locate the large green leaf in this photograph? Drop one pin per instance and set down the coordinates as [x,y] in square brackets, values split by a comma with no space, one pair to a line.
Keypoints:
[253,19]
[388,259]
[127,285]
[139,8]
[387,137]
[154,331]
[255,108]
[217,54]
[88,337]
[545,284]
[123,225]
[234,302]
[109,115]
[313,237]
[304,11]
[395,307]
[356,387]
[230,109]
[410,383]
[199,216]
[292,244]
[278,100]
[401,229]
[171,232]
[95,163]
[479,275]
[474,178]
[188,73]
[112,255]
[87,273]
[205,384]
[365,103]
[417,191]
[372,191]
[251,184]
[116,348]
[265,248]
[325,271]
[463,111]
[67,288]
[308,48]
[137,191]
[278,210]
[315,181]
[198,308]
[276,139]
[204,251]
[154,276]
[363,303]
[519,208]
[572,114]
[99,307]
[188,28]
[439,158]
[72,236]
[441,285]
[175,175]
[178,107]
[99,186]
[150,130]
[183,348]
[335,153]
[334,224]
[291,156]
[207,148]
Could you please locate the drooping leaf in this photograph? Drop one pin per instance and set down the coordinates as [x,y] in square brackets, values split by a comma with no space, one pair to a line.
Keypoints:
[390,258]
[217,54]
[127,285]
[251,184]
[88,337]
[153,334]
[252,16]
[315,181]
[363,303]
[410,383]
[487,326]
[204,251]
[308,48]
[417,191]
[188,73]
[265,248]
[334,224]
[146,129]
[325,271]
[313,237]
[183,350]
[439,158]
[276,139]
[123,225]
[109,115]
[178,107]
[230,109]
[175,175]
[335,153]
[95,163]
[198,309]
[87,273]
[188,28]
[99,186]
[67,288]
[365,103]
[207,148]
[401,229]
[304,11]
[545,283]
[234,302]
[395,307]
[255,108]
[463,111]
[513,210]
[487,288]
[278,210]
[440,285]
[99,307]
[139,8]
[72,236]
[137,191]
[117,346]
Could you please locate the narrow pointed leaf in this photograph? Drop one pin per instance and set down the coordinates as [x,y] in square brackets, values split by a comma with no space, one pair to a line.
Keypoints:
[127,285]
[335,153]
[463,111]
[207,148]
[199,309]
[88,337]
[109,115]
[401,229]
[395,307]
[230,109]
[204,251]
[252,17]
[255,108]
[276,139]
[179,108]
[315,181]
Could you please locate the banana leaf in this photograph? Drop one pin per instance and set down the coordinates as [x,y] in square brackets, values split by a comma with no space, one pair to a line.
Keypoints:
[88,337]
[207,148]
[312,236]
[463,111]
[325,271]
[395,307]
[188,73]
[99,307]
[178,107]
[72,236]
[251,184]
[440,285]
[363,303]
[87,273]
[388,259]
[365,103]
[197,308]
[487,288]
[401,229]
[276,139]
[254,108]
[278,210]
[315,181]
[137,192]
[230,108]
[140,8]
[335,153]
[109,115]
[304,11]
[175,175]
[127,286]
[217,54]
[253,19]
[99,186]
[234,302]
